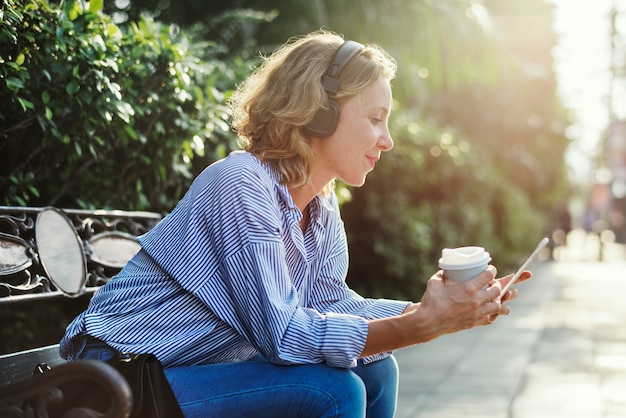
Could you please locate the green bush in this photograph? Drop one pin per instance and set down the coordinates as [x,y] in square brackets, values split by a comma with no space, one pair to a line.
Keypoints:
[434,190]
[100,116]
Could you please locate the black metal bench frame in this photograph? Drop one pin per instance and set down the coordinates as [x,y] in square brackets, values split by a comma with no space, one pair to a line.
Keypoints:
[92,248]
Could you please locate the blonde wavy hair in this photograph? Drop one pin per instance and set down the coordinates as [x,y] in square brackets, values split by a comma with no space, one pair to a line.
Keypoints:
[271,108]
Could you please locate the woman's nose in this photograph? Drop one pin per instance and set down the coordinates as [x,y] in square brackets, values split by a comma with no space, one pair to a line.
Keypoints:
[386,142]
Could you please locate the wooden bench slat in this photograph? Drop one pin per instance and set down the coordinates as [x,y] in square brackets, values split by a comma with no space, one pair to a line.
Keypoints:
[20,365]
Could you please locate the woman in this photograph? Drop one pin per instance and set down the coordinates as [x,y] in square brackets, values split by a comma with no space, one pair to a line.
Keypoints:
[240,291]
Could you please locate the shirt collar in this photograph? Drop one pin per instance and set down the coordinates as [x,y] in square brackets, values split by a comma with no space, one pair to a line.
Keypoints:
[320,206]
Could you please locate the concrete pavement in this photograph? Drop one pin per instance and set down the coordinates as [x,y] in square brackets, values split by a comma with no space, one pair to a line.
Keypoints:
[560,354]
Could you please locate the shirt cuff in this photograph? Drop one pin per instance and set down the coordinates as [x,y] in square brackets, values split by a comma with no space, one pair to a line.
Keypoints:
[344,339]
[385,308]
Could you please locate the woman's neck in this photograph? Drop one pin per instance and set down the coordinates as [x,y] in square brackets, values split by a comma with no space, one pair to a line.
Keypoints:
[302,196]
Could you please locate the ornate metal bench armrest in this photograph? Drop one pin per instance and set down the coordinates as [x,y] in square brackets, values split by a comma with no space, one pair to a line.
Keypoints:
[50,252]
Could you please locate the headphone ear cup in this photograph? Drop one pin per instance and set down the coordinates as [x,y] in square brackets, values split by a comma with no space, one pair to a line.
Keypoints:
[325,121]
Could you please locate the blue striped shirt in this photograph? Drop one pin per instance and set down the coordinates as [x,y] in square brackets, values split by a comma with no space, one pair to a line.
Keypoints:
[229,273]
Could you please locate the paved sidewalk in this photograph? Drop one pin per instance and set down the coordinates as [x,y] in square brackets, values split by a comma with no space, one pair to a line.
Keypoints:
[560,354]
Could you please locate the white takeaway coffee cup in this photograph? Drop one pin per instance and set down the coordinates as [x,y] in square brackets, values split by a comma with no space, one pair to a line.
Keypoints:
[463,263]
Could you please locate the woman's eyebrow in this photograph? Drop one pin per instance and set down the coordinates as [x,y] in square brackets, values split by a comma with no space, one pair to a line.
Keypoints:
[383,109]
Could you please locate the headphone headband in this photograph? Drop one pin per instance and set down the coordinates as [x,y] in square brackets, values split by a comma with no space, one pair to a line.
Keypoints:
[346,51]
[326,119]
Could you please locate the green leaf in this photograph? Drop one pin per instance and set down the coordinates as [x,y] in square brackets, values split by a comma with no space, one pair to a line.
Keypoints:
[20,59]
[95,5]
[113,31]
[78,149]
[90,17]
[45,97]
[187,148]
[72,9]
[72,88]
[162,172]
[33,190]
[25,104]
[49,114]
[14,84]
[130,131]
[124,111]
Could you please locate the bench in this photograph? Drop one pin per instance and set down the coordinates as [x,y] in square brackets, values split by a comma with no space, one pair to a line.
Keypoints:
[48,253]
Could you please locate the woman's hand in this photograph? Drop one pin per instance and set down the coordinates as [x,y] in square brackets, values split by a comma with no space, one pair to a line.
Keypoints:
[446,307]
[452,307]
[473,303]
[511,294]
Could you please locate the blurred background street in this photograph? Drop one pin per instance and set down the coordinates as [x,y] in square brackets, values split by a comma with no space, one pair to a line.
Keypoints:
[560,354]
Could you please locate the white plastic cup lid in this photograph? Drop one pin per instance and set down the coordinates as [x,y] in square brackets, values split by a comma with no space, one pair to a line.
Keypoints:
[463,258]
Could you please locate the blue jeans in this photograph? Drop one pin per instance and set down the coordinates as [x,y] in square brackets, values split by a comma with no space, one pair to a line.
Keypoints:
[262,389]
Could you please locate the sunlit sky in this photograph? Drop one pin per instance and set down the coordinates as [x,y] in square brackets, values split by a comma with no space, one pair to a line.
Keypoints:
[582,65]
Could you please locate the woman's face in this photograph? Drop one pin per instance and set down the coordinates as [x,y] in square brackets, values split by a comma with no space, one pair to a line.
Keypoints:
[361,136]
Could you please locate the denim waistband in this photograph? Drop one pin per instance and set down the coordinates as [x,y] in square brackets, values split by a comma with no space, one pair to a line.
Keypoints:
[85,346]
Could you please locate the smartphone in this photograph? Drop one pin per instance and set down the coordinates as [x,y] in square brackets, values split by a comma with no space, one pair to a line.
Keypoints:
[525,264]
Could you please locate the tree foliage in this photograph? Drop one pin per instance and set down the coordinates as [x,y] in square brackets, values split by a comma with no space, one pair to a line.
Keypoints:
[97,115]
[479,133]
